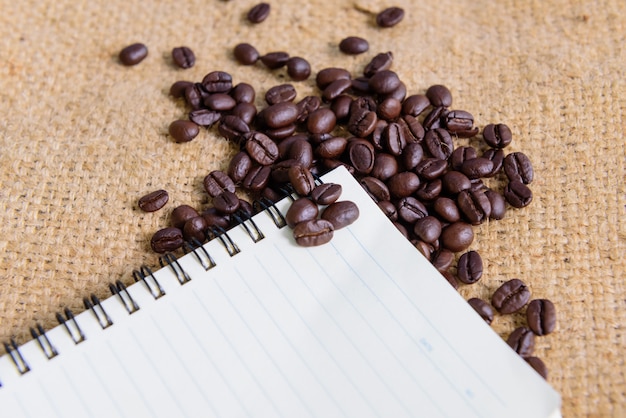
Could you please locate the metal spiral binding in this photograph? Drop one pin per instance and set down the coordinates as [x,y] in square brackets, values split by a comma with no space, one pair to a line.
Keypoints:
[39,334]
[120,290]
[96,307]
[226,240]
[203,256]
[270,208]
[14,352]
[76,334]
[154,287]
[243,218]
[170,260]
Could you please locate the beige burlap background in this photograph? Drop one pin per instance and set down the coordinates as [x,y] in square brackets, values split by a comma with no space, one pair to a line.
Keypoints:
[83,137]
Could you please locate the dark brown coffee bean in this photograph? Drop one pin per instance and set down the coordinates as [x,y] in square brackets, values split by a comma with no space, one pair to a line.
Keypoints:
[362,123]
[414,129]
[301,210]
[380,62]
[427,229]
[518,194]
[183,130]
[361,155]
[538,364]
[522,340]
[214,218]
[498,204]
[446,209]
[226,202]
[498,135]
[474,206]
[482,308]
[442,259]
[389,209]
[510,297]
[341,213]
[455,182]
[326,193]
[300,151]
[245,111]
[261,148]
[517,167]
[133,54]
[341,106]
[278,134]
[257,178]
[439,96]
[194,95]
[496,156]
[335,89]
[321,121]
[384,82]
[411,156]
[243,93]
[457,236]
[217,182]
[328,75]
[389,17]
[360,85]
[233,128]
[439,143]
[259,13]
[363,103]
[183,57]
[280,171]
[541,316]
[450,278]
[246,54]
[166,239]
[307,106]
[459,121]
[204,117]
[281,93]
[477,167]
[298,68]
[470,267]
[153,201]
[399,93]
[385,166]
[415,105]
[195,229]
[275,60]
[182,214]
[394,139]
[376,188]
[177,89]
[217,82]
[460,155]
[314,232]
[301,180]
[429,190]
[410,209]
[239,166]
[431,168]
[403,184]
[332,148]
[353,45]
[220,102]
[280,114]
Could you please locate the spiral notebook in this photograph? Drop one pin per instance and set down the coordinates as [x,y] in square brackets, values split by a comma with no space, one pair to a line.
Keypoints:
[252,325]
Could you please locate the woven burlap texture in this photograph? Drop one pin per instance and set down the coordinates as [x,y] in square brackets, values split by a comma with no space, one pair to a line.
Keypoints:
[84,137]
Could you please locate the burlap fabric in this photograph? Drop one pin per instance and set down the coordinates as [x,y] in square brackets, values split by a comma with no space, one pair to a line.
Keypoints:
[83,137]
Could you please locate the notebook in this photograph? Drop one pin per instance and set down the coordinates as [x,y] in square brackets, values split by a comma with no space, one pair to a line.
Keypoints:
[252,325]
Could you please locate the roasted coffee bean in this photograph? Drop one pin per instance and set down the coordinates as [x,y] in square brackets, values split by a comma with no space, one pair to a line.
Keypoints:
[389,17]
[380,62]
[353,45]
[217,182]
[411,156]
[439,96]
[460,155]
[517,167]
[257,178]
[341,106]
[433,118]
[307,106]
[427,229]
[341,213]
[477,167]
[474,205]
[182,214]
[413,127]
[183,57]
[133,54]
[384,81]
[429,190]
[335,89]
[278,134]
[328,75]
[226,202]
[510,297]
[217,82]
[298,68]
[280,114]
[244,111]
[246,54]
[332,148]
[275,60]
[377,136]
[301,210]
[215,219]
[281,93]
[166,239]
[498,204]
[439,143]
[302,152]
[497,135]
[482,308]
[239,166]
[326,193]
[153,201]
[399,93]
[361,155]
[314,232]
[261,148]
[410,209]
[457,236]
[385,166]
[538,364]
[360,85]
[402,229]
[450,278]
[442,259]
[194,95]
[394,139]
[195,229]
[541,316]
[496,156]
[403,184]
[362,123]
[183,130]
[301,180]
[470,267]
[455,182]
[233,128]
[431,168]
[446,209]
[177,89]
[321,121]
[376,188]
[518,194]
[280,171]
[459,121]
[220,102]
[415,105]
[258,13]
[389,209]
[522,340]
[243,93]
[204,117]
[246,209]
[363,103]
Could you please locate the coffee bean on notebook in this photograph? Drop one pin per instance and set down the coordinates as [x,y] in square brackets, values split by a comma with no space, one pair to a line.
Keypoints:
[133,54]
[341,213]
[314,232]
[226,202]
[153,201]
[301,179]
[470,267]
[183,57]
[301,210]
[482,308]
[389,17]
[326,193]
[353,45]
[166,239]
[259,13]
[522,340]
[183,130]
[510,297]
[298,68]
[246,54]
[541,316]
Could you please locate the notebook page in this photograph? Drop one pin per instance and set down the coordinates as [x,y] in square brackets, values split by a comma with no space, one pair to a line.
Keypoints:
[354,328]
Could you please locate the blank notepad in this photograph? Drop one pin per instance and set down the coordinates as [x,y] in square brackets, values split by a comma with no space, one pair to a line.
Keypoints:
[361,327]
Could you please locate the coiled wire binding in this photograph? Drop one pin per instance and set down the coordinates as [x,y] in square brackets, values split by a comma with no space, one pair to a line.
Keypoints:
[120,290]
[14,352]
[154,287]
[243,218]
[226,240]
[268,206]
[39,334]
[170,260]
[71,326]
[201,254]
[96,307]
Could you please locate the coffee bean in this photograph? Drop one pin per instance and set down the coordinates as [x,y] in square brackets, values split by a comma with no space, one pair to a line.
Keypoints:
[362,123]
[321,121]
[415,105]
[474,206]
[298,68]
[259,13]
[439,96]
[433,118]
[498,204]
[280,114]
[194,95]
[335,89]
[389,209]
[218,82]
[522,340]
[220,102]
[361,155]
[538,364]
[278,134]
[389,17]
[246,54]
[438,143]
[384,81]
[261,148]
[413,128]
[183,130]
[239,166]
[301,210]
[328,75]
[431,168]
[455,182]
[182,214]
[177,89]
[353,45]
[412,154]
[450,278]
[332,148]
[429,190]
[442,259]
[183,57]
[133,54]
[226,202]
[326,193]
[307,106]
[446,209]
[459,121]
[363,103]
[518,194]
[204,117]
[517,167]
[376,188]
[477,167]
[394,139]
[217,182]
[427,229]
[275,60]
[341,213]
[360,85]
[280,93]
[301,179]
[380,62]
[244,111]
[457,236]
[510,297]
[541,316]
[399,93]
[233,128]
[166,239]
[482,308]
[300,151]
[195,229]
[314,232]
[341,106]
[403,184]
[497,135]
[410,209]
[496,156]
[214,218]
[257,178]
[460,155]
[385,166]
[470,267]
[153,201]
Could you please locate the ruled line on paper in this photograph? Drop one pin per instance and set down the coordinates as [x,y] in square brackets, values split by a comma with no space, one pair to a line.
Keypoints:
[104,388]
[78,396]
